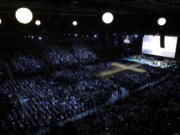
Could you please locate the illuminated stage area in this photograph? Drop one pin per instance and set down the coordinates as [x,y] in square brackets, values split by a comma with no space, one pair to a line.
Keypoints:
[151,61]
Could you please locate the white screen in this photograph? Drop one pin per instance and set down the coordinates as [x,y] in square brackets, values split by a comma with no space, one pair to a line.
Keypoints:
[151,45]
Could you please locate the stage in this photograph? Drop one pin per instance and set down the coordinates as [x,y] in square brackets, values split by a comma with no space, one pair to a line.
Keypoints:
[151,62]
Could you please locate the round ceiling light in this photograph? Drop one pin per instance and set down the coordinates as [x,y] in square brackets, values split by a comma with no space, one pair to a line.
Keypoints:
[74,23]
[162,21]
[24,15]
[38,22]
[107,17]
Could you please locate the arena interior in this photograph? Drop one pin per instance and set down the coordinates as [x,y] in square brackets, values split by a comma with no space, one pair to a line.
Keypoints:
[89,67]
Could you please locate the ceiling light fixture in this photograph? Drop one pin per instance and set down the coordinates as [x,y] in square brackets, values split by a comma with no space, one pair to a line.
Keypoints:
[38,22]
[161,21]
[74,23]
[24,15]
[107,18]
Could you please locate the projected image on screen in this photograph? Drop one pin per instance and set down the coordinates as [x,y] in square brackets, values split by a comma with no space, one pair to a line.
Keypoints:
[151,45]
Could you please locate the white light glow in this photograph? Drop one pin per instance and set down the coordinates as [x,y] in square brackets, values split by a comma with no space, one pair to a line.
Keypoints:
[40,38]
[74,23]
[0,21]
[136,36]
[24,15]
[127,40]
[107,17]
[38,22]
[162,21]
[151,45]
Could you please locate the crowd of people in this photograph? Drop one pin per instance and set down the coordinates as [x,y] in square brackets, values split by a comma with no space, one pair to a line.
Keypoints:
[153,111]
[27,63]
[37,103]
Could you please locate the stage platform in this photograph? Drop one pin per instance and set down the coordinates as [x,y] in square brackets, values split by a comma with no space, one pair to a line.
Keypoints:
[151,62]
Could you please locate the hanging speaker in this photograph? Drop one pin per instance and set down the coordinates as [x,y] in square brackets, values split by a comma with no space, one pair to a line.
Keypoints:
[162,39]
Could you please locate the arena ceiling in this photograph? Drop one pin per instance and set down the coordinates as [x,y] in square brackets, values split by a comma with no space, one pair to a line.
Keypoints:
[92,7]
[130,15]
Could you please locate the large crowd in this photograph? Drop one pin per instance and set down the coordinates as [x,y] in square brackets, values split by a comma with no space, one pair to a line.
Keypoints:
[66,86]
[154,111]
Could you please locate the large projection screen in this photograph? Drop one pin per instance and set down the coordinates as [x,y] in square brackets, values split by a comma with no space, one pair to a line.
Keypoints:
[151,45]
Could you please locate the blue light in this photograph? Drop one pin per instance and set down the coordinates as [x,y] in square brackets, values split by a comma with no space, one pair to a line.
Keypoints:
[95,36]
